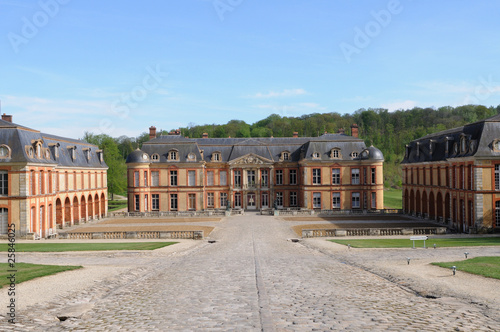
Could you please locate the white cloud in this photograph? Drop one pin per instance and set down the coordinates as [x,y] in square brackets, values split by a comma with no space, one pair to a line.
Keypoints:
[279,94]
[398,105]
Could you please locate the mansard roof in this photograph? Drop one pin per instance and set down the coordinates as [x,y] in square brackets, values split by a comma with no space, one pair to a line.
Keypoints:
[299,148]
[476,139]
[19,139]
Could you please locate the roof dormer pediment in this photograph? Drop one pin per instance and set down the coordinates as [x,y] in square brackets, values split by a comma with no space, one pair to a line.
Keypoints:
[250,159]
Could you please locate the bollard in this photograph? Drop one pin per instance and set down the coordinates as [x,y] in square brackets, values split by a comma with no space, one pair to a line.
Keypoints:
[454,268]
[408,260]
[348,246]
[434,246]
[466,254]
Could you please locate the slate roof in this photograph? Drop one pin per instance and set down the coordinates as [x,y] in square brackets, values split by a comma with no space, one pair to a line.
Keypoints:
[478,138]
[300,148]
[18,138]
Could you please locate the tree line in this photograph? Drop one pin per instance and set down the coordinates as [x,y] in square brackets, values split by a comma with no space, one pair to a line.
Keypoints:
[388,131]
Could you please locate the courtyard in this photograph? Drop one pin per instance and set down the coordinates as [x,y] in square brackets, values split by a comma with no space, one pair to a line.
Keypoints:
[251,277]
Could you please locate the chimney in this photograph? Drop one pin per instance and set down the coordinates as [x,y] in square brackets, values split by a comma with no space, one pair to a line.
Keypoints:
[6,117]
[152,132]
[295,134]
[341,131]
[354,130]
[205,135]
[177,131]
[325,132]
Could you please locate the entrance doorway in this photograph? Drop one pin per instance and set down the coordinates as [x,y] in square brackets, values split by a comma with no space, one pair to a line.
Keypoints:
[251,201]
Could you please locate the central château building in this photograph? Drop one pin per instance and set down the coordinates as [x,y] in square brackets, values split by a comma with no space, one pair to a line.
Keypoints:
[332,171]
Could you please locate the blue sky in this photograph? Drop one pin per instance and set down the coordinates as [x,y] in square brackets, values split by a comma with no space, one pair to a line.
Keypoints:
[118,67]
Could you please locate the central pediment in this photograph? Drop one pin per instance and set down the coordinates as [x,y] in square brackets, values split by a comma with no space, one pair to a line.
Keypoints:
[250,159]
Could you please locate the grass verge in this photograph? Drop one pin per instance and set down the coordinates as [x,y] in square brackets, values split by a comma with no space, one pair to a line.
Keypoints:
[393,198]
[25,271]
[483,266]
[406,243]
[57,247]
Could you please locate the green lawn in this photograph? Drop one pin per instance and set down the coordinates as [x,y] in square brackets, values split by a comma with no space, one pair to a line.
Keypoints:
[393,198]
[484,266]
[56,247]
[406,243]
[116,205]
[25,271]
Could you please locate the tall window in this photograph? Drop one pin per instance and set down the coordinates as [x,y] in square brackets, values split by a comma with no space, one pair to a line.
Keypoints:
[237,179]
[316,175]
[191,178]
[335,175]
[173,202]
[4,183]
[223,200]
[374,172]
[155,202]
[355,176]
[470,177]
[497,213]
[265,200]
[279,199]
[192,201]
[146,203]
[365,180]
[155,178]
[336,200]
[173,178]
[136,178]
[251,177]
[223,178]
[145,178]
[355,201]
[497,177]
[137,202]
[210,178]
[293,198]
[172,155]
[279,176]
[374,200]
[41,183]
[335,153]
[210,200]
[265,177]
[237,200]
[317,200]
[285,155]
[293,176]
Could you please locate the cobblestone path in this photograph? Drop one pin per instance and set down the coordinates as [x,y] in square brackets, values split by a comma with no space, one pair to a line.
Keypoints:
[253,279]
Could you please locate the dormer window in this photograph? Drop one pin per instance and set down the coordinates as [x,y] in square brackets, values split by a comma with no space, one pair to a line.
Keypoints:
[407,151]
[155,157]
[315,155]
[4,152]
[173,155]
[100,155]
[496,145]
[87,154]
[216,156]
[431,145]
[285,155]
[47,154]
[29,151]
[354,155]
[463,144]
[55,149]
[335,153]
[72,152]
[191,157]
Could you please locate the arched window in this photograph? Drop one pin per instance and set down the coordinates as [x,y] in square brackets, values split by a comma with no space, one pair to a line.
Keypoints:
[335,153]
[173,155]
[216,156]
[4,152]
[315,155]
[155,157]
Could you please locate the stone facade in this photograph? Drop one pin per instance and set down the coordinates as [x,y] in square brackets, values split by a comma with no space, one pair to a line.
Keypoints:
[454,177]
[48,182]
[333,171]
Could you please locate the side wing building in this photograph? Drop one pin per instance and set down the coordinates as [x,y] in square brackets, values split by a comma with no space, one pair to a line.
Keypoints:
[48,182]
[453,176]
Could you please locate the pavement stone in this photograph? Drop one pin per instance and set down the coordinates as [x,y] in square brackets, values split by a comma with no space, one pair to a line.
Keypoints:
[250,279]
